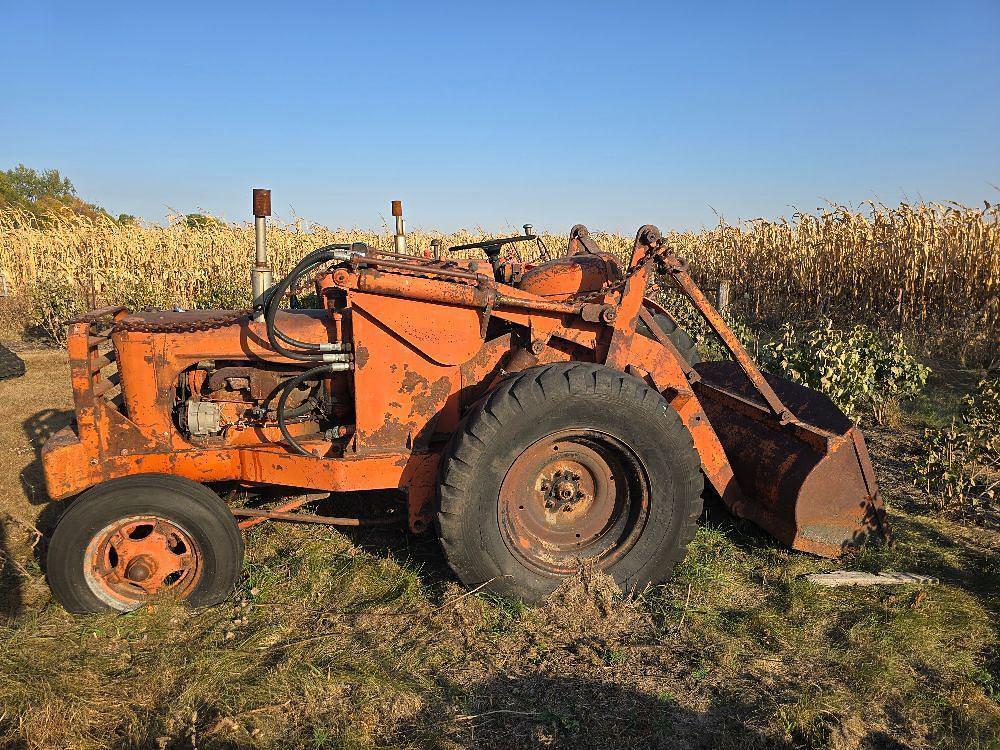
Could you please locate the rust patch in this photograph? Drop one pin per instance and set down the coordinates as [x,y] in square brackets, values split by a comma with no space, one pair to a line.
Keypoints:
[392,433]
[360,357]
[411,380]
[431,401]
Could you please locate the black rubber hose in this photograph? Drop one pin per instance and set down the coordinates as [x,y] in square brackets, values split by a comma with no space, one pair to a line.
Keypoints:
[274,296]
[302,409]
[277,292]
[287,388]
[273,299]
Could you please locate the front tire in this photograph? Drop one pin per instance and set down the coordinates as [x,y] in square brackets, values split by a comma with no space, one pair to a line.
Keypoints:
[128,539]
[564,463]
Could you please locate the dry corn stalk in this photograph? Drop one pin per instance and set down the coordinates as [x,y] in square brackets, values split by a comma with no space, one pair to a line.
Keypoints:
[932,268]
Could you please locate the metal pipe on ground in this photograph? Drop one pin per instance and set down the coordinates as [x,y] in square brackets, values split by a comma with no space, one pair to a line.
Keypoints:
[311,518]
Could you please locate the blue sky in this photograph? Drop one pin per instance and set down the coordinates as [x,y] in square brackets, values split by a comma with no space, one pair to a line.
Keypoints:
[496,114]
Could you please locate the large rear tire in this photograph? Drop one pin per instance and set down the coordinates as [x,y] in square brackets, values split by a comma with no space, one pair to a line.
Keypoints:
[128,539]
[564,463]
[684,343]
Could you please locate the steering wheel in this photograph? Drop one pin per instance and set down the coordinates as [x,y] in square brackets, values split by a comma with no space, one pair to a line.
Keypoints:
[493,248]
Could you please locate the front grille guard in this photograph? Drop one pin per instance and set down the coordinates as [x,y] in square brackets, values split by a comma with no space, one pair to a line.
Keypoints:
[93,362]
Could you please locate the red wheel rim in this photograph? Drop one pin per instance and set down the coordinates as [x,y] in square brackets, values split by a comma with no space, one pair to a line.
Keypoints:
[575,494]
[136,557]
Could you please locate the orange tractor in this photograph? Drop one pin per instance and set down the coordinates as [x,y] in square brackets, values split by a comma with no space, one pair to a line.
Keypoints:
[536,416]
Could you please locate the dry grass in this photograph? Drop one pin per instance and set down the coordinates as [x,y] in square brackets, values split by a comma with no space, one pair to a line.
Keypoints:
[930,268]
[365,641]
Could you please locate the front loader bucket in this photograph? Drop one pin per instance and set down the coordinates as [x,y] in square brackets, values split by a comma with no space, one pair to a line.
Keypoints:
[805,478]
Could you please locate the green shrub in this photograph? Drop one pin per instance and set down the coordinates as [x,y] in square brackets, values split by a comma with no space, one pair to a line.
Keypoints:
[865,372]
[54,301]
[960,465]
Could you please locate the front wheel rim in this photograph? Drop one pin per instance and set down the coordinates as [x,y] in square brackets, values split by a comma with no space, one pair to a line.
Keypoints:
[571,496]
[134,558]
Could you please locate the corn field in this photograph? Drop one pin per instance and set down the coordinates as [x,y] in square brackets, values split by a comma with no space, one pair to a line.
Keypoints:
[930,269]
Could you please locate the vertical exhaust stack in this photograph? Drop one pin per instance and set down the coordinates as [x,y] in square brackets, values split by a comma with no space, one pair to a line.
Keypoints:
[400,237]
[261,274]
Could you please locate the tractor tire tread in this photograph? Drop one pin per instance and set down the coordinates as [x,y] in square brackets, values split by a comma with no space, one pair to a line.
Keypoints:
[477,561]
[686,345]
[202,509]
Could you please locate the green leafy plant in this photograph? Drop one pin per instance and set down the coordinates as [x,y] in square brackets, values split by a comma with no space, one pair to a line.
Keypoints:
[960,465]
[54,301]
[866,373]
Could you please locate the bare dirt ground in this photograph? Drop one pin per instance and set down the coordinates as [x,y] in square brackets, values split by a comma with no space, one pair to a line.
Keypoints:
[366,640]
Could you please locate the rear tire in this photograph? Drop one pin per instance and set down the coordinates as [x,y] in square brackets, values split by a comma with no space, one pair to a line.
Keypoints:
[131,538]
[684,343]
[567,462]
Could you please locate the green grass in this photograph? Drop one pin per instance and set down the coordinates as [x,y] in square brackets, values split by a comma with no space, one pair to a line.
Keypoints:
[314,629]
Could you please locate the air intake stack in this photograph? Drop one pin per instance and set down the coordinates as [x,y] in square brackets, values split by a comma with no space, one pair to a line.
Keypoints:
[261,274]
[400,237]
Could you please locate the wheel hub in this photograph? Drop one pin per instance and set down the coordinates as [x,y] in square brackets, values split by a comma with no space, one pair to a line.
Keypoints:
[136,557]
[140,569]
[566,497]
[562,490]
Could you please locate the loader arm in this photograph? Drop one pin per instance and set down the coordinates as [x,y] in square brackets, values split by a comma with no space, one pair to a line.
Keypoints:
[803,468]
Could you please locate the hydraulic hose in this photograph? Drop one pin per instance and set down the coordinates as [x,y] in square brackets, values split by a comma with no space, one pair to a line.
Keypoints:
[307,351]
[286,388]
[302,409]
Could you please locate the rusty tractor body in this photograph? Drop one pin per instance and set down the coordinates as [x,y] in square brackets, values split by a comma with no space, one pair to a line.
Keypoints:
[401,380]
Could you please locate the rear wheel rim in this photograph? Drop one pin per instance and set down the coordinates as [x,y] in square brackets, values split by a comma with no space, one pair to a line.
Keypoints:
[573,495]
[134,558]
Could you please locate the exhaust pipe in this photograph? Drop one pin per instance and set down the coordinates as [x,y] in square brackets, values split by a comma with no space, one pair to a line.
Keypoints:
[261,274]
[400,238]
